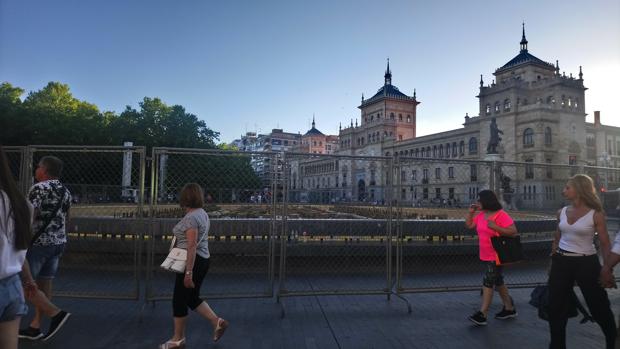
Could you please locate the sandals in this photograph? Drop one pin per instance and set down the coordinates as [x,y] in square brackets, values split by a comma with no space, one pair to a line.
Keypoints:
[221,327]
[173,344]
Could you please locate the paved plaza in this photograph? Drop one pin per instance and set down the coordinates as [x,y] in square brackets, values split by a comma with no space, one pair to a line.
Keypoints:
[438,320]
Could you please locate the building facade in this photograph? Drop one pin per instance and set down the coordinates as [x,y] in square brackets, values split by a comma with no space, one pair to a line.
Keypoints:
[539,111]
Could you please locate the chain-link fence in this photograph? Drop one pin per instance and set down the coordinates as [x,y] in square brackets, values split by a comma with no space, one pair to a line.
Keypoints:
[321,224]
[105,227]
[337,226]
[241,190]
[16,157]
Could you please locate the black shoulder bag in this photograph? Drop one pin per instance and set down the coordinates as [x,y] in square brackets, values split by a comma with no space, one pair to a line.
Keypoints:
[48,221]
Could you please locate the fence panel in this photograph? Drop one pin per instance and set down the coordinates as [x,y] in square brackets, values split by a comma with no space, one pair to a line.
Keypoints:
[105,226]
[16,156]
[240,195]
[337,231]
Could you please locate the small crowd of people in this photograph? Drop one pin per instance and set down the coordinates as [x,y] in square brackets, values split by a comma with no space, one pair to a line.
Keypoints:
[33,238]
[574,259]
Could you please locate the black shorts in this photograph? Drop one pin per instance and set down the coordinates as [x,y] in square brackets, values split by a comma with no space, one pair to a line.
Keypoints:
[493,274]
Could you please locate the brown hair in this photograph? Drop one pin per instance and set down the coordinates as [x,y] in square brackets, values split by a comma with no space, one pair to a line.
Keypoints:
[192,196]
[586,192]
[19,209]
[53,166]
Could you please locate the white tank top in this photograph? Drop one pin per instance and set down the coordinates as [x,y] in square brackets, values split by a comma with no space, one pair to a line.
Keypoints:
[579,236]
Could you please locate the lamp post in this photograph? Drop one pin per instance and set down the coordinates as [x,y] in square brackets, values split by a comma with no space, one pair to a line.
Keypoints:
[605,159]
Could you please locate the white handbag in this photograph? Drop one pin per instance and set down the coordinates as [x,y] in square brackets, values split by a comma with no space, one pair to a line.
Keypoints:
[177,257]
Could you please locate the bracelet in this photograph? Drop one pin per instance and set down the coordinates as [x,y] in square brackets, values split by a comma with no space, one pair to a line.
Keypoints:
[189,272]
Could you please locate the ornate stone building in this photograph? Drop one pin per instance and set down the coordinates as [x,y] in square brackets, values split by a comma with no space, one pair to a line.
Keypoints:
[539,110]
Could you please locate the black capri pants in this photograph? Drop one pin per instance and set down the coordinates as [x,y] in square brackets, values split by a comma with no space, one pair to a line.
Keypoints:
[184,298]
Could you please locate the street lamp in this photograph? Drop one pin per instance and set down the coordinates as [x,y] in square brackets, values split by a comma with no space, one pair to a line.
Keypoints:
[605,159]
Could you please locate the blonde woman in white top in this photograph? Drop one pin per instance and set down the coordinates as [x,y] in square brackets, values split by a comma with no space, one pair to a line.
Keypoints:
[574,259]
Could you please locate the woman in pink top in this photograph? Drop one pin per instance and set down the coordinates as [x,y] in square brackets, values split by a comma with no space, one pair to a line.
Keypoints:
[491,221]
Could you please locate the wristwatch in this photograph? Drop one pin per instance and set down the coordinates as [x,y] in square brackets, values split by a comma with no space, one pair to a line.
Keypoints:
[189,272]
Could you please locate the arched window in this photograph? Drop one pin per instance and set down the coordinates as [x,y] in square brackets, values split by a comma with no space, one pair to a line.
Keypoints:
[548,136]
[448,150]
[408,118]
[473,145]
[462,148]
[488,109]
[434,151]
[423,152]
[400,117]
[417,152]
[454,149]
[392,116]
[497,107]
[441,150]
[428,151]
[507,104]
[528,138]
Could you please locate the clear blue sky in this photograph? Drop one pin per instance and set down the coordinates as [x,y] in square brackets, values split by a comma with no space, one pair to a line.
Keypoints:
[258,65]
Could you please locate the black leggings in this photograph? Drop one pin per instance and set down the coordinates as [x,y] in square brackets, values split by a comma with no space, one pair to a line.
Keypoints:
[565,271]
[184,298]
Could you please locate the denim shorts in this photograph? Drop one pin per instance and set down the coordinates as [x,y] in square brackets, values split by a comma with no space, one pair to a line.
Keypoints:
[44,260]
[12,303]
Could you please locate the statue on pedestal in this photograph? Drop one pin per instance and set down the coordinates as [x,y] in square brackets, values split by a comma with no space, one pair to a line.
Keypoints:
[494,138]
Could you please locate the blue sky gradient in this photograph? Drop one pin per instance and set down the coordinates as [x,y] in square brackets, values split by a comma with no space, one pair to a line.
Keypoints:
[257,65]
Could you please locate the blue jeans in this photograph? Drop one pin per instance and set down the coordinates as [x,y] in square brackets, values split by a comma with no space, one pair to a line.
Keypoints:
[12,303]
[44,260]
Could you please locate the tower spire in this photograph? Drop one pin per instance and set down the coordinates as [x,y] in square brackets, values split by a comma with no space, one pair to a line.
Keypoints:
[313,120]
[580,74]
[388,74]
[557,67]
[481,81]
[414,94]
[523,40]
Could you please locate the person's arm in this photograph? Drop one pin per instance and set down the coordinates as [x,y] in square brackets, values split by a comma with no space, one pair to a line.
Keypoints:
[191,235]
[557,235]
[510,230]
[30,286]
[469,219]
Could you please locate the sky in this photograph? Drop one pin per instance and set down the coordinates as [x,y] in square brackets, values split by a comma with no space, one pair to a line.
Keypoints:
[258,65]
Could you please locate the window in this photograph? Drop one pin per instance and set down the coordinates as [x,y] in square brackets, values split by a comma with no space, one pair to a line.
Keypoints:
[400,137]
[428,151]
[441,150]
[507,104]
[438,193]
[454,149]
[423,152]
[488,109]
[408,118]
[400,117]
[425,193]
[473,145]
[528,138]
[451,172]
[570,102]
[473,172]
[548,137]
[462,148]
[451,193]
[403,194]
[438,173]
[414,175]
[425,175]
[392,116]
[497,107]
[448,150]
[434,151]
[403,175]
[529,169]
[549,170]
[417,152]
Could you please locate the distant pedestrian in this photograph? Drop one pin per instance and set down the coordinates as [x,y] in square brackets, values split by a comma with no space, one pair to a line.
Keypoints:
[51,201]
[574,259]
[192,234]
[491,221]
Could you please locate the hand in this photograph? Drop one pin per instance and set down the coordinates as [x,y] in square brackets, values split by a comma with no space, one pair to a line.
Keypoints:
[188,282]
[30,289]
[607,279]
[473,208]
[492,225]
